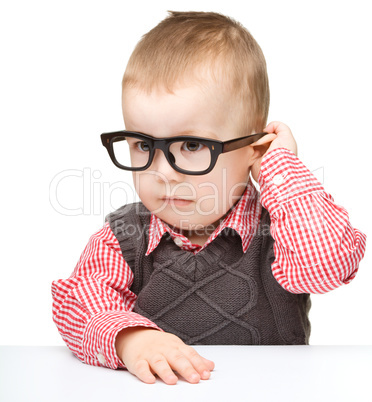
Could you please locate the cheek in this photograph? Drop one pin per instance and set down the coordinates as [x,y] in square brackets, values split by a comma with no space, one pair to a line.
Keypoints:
[234,167]
[223,187]
[144,186]
[234,175]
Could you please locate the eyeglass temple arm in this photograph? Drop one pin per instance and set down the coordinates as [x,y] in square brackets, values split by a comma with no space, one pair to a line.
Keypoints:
[242,142]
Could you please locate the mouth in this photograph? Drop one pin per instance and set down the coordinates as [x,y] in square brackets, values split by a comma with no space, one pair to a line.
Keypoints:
[177,201]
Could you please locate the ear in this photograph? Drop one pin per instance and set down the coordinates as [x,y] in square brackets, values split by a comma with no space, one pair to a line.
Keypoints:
[261,146]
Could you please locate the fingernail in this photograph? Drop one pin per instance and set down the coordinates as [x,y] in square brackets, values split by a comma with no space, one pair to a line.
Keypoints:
[194,378]
[172,379]
[205,374]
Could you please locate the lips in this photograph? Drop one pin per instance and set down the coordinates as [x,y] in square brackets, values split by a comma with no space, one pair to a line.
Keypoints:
[177,201]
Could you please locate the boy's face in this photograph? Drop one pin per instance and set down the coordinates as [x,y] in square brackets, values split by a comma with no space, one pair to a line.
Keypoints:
[188,202]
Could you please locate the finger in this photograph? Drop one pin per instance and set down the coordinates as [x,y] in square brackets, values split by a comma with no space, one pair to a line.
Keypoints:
[266,139]
[202,366]
[143,372]
[276,127]
[180,363]
[160,366]
[210,364]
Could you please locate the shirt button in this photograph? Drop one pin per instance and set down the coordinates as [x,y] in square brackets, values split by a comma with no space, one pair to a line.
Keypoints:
[278,179]
[101,358]
[178,242]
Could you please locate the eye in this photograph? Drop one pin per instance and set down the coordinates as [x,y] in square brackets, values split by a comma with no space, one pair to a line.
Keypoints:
[142,146]
[192,146]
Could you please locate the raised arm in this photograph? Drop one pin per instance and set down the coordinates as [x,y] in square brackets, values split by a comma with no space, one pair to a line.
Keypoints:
[316,248]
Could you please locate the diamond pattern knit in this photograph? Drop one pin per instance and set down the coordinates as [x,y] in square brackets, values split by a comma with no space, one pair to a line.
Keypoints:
[217,296]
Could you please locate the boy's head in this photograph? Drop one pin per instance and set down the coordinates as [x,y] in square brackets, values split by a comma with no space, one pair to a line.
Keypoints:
[202,75]
[197,46]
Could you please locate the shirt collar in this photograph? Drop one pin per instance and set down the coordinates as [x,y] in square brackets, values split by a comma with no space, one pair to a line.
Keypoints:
[243,218]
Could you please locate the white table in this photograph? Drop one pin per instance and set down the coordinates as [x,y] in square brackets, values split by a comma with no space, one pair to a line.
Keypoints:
[243,373]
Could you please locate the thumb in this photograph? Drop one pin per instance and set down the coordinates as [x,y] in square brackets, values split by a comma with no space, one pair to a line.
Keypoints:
[260,148]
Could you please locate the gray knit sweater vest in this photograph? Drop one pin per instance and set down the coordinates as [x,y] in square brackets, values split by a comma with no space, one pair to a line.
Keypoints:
[217,296]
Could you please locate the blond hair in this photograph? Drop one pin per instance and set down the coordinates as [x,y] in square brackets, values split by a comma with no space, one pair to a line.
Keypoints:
[185,43]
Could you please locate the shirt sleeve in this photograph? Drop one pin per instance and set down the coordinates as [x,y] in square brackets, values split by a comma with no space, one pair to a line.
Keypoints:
[316,248]
[95,303]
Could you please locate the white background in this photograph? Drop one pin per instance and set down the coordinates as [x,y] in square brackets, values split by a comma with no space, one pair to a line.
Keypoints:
[61,69]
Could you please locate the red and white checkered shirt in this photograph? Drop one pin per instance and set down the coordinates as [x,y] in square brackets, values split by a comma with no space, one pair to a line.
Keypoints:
[316,250]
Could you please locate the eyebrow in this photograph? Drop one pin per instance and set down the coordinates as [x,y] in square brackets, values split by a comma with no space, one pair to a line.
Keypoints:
[197,133]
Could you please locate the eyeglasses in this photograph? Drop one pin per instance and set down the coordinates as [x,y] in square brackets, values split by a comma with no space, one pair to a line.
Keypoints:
[190,155]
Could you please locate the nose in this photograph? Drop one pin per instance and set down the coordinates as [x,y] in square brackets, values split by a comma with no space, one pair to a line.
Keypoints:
[162,166]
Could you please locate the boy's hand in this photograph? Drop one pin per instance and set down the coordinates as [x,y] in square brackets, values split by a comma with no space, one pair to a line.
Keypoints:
[280,137]
[146,352]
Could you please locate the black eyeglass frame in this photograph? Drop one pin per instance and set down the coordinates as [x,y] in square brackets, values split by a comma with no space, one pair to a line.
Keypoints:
[216,148]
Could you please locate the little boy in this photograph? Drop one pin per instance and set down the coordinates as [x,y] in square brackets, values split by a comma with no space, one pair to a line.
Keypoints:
[204,258]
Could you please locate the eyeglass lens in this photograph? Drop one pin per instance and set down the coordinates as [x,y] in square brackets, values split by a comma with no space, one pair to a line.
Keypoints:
[189,155]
